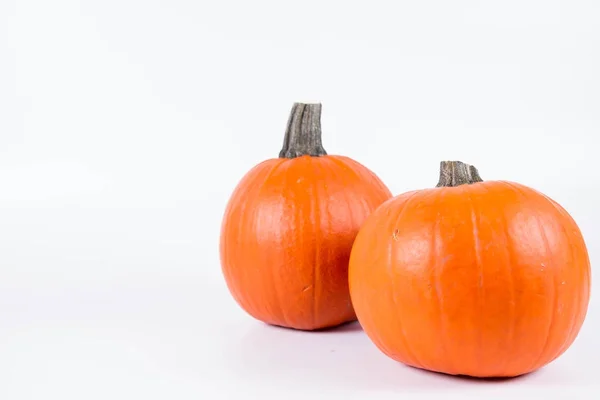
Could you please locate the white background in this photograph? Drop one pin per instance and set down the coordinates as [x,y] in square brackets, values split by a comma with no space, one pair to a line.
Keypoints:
[126,124]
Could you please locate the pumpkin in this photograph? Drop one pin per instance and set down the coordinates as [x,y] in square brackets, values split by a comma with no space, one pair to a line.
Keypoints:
[289,226]
[485,279]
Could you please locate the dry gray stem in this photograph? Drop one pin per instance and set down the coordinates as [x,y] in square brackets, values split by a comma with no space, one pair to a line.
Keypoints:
[456,173]
[303,133]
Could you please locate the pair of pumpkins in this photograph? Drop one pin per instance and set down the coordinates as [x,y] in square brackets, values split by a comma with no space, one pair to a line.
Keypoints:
[486,279]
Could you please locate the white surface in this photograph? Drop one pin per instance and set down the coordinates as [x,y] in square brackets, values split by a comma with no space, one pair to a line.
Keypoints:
[125,125]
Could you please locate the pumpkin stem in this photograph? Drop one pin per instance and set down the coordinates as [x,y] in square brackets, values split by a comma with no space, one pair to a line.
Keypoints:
[456,173]
[303,133]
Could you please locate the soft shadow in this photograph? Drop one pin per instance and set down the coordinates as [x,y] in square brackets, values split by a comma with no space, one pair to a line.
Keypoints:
[471,380]
[340,356]
[351,326]
[344,356]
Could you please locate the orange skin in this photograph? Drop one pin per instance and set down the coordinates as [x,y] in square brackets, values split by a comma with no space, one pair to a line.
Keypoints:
[490,279]
[287,234]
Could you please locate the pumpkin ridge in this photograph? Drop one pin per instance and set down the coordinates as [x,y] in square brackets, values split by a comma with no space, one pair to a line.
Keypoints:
[317,228]
[391,252]
[436,275]
[364,170]
[576,316]
[244,215]
[340,164]
[548,255]
[353,166]
[344,164]
[511,280]
[480,281]
[271,273]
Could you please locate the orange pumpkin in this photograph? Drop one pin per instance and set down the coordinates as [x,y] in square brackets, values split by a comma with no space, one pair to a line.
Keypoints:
[486,279]
[288,230]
